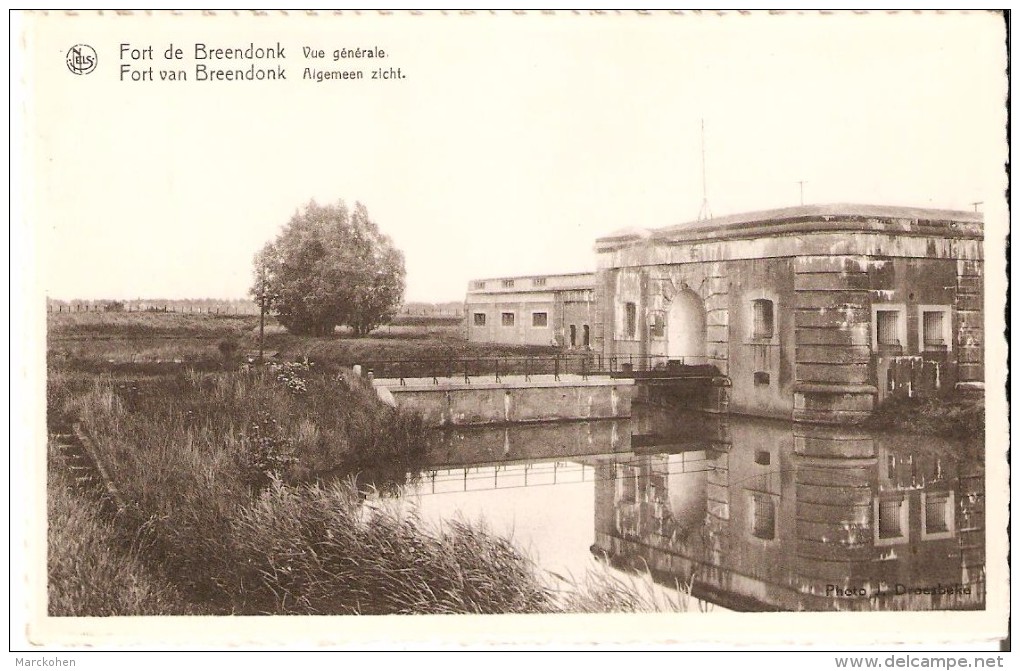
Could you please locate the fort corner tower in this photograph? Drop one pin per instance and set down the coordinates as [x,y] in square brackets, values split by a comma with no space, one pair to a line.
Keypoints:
[814,313]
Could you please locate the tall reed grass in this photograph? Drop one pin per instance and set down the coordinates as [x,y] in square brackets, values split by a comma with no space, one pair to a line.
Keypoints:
[93,570]
[235,491]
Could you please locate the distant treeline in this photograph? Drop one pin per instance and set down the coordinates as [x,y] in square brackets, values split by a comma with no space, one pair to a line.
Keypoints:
[239,306]
[450,309]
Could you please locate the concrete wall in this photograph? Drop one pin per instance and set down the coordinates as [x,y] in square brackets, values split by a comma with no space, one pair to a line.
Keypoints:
[821,362]
[727,291]
[531,283]
[579,314]
[761,370]
[514,400]
[563,308]
[523,307]
[838,298]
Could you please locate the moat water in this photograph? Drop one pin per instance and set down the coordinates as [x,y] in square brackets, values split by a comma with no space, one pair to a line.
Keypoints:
[752,514]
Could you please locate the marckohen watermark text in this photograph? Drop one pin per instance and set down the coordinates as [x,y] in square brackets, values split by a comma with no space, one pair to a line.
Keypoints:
[47,662]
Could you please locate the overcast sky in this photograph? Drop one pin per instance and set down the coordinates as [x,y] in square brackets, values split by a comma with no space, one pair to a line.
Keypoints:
[513,142]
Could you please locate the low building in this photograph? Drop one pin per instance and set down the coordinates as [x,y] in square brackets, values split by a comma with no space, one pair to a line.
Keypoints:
[813,313]
[532,310]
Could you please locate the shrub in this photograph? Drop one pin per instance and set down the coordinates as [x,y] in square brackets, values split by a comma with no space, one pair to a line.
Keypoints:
[265,454]
[228,350]
[953,417]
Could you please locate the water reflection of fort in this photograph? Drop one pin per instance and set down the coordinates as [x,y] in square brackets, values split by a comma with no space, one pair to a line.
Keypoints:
[762,515]
[755,514]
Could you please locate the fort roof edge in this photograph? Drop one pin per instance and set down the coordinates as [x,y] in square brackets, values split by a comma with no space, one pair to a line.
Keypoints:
[809,218]
[531,277]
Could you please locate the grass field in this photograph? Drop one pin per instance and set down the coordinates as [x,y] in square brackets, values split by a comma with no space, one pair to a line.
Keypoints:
[236,480]
[154,342]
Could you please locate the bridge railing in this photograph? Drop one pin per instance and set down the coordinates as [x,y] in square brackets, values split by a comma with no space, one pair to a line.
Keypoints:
[583,364]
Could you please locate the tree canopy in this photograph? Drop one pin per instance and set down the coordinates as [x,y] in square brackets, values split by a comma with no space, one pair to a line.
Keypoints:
[330,266]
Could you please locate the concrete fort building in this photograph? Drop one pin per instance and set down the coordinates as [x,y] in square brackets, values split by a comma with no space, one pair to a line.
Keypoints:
[812,313]
[532,310]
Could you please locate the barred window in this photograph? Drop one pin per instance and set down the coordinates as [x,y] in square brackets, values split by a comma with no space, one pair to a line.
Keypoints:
[763,516]
[933,325]
[888,327]
[936,513]
[508,319]
[764,325]
[630,311]
[508,284]
[478,284]
[479,319]
[891,515]
[539,319]
[539,282]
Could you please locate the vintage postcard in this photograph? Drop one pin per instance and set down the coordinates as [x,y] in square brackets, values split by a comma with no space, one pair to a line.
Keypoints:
[485,328]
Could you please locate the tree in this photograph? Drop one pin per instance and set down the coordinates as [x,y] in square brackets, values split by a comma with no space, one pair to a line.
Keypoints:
[263,290]
[330,266]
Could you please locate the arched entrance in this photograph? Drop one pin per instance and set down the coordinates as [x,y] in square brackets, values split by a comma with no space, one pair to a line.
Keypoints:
[685,327]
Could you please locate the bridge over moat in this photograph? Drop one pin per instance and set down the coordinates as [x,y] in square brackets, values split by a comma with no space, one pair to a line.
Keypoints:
[512,389]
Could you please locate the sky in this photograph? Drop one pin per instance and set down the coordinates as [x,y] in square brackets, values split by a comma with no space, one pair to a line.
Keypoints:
[511,145]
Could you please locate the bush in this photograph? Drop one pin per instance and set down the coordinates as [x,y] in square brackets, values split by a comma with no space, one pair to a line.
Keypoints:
[953,417]
[228,350]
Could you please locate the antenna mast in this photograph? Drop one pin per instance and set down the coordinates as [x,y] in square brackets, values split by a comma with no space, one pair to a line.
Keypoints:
[705,212]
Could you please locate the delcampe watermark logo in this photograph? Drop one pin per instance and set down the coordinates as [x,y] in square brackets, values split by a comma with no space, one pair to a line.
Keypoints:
[81,59]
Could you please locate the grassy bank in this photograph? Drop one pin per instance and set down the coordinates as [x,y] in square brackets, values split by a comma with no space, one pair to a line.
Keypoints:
[238,482]
[236,503]
[951,417]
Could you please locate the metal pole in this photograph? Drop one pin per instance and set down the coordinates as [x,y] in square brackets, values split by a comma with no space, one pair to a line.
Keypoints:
[262,325]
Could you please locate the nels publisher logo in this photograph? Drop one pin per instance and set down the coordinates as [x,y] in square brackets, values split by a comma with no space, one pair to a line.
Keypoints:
[81,59]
